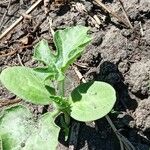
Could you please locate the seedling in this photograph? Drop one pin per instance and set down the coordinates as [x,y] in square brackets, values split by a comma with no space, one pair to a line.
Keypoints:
[87,102]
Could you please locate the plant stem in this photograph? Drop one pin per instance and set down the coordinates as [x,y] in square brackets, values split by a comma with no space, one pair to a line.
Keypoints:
[122,140]
[67,118]
[61,92]
[61,88]
[55,113]
[115,131]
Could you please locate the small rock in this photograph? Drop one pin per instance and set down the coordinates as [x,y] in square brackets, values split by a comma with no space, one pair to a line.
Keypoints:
[142,115]
[138,79]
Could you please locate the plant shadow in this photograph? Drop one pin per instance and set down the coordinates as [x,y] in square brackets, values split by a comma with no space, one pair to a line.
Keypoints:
[108,72]
[81,89]
[101,136]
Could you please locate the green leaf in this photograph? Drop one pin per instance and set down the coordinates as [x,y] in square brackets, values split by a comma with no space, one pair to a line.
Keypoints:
[43,53]
[70,43]
[61,102]
[25,83]
[1,146]
[92,101]
[19,130]
[46,72]
[49,73]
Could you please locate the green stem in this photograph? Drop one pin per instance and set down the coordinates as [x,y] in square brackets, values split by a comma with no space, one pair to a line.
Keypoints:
[61,92]
[54,114]
[61,88]
[67,118]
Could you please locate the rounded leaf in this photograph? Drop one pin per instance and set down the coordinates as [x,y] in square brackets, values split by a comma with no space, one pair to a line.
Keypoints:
[18,130]
[26,84]
[92,101]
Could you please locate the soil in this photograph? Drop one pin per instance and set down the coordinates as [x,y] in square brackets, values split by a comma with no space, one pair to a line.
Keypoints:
[117,55]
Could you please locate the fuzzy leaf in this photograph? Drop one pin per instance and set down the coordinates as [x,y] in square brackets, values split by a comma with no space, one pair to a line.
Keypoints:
[46,72]
[49,73]
[61,102]
[70,43]
[43,53]
[92,101]
[25,83]
[18,130]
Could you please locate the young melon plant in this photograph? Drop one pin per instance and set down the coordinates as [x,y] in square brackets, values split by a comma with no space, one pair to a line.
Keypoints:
[87,102]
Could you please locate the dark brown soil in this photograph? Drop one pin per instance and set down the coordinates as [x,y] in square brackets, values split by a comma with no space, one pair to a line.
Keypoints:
[116,55]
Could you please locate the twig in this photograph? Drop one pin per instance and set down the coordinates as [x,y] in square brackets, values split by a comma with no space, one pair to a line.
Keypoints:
[14,51]
[126,142]
[26,46]
[10,53]
[97,19]
[1,23]
[20,19]
[122,140]
[19,59]
[79,74]
[50,26]
[115,131]
[81,65]
[111,12]
[81,8]
[141,29]
[125,14]
[9,102]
